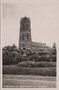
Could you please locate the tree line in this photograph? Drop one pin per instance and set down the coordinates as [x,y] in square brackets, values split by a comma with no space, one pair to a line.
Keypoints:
[13,55]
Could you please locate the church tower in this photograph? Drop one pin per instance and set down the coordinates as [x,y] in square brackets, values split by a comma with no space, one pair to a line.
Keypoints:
[25,33]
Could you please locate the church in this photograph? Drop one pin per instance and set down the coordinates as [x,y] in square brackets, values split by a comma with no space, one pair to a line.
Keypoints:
[25,41]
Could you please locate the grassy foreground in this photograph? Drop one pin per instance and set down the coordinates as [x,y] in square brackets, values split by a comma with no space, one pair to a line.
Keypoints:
[28,81]
[15,70]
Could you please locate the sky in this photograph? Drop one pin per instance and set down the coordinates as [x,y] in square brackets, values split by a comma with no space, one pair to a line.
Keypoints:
[44,15]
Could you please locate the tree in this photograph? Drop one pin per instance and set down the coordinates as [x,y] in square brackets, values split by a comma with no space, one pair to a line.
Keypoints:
[54,52]
[8,54]
[54,48]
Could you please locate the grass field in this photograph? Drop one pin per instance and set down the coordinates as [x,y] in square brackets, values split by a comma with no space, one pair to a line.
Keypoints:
[30,81]
[28,77]
[42,71]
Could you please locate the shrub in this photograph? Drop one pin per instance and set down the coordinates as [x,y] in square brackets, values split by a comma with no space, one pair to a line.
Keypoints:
[8,58]
[20,58]
[36,64]
[53,58]
[44,58]
[44,71]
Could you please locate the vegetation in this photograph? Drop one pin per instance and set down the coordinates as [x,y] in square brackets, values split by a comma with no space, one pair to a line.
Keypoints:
[15,61]
[36,64]
[15,70]
[13,55]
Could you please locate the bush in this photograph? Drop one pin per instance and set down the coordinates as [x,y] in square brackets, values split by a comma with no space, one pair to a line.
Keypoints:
[53,58]
[20,58]
[8,54]
[15,70]
[36,64]
[44,58]
[8,58]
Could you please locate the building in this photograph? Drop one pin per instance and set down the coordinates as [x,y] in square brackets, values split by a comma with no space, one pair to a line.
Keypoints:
[25,38]
[25,33]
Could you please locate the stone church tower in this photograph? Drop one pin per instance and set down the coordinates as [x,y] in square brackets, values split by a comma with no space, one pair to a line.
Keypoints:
[25,33]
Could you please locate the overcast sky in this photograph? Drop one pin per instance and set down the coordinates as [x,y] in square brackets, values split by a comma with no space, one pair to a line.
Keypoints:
[44,17]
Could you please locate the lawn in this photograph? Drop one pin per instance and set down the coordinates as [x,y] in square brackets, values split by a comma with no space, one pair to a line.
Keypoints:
[30,81]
